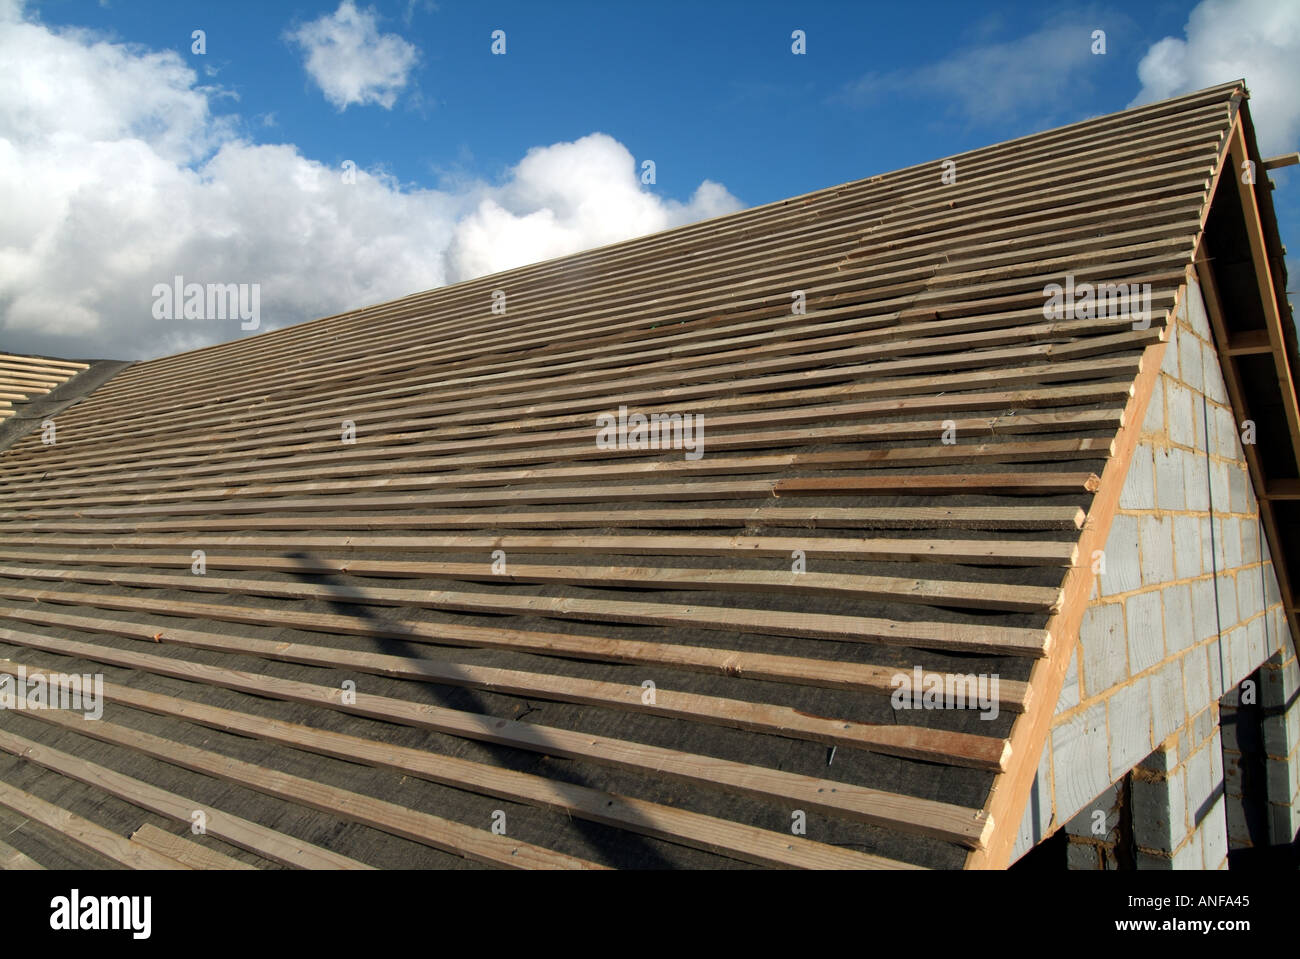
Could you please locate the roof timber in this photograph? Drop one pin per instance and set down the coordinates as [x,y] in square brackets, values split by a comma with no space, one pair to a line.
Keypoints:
[372,562]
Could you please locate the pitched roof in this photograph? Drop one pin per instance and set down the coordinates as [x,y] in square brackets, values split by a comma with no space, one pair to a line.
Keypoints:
[884,403]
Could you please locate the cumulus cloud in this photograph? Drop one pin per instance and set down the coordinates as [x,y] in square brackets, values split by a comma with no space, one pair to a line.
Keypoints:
[1226,40]
[116,175]
[567,197]
[351,61]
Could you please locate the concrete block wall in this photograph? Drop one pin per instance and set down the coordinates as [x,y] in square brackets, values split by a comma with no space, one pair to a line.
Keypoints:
[1279,689]
[1096,837]
[1186,604]
[1179,816]
[1243,767]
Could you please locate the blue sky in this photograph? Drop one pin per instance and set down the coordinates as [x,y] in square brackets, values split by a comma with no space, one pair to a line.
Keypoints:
[709,91]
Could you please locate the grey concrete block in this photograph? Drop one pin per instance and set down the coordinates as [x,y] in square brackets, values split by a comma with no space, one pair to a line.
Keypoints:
[1159,813]
[1204,725]
[1169,479]
[1130,727]
[1240,663]
[1257,639]
[1082,823]
[1187,547]
[1226,435]
[1189,856]
[1197,319]
[1216,753]
[1281,678]
[1190,370]
[1080,769]
[1123,564]
[1157,542]
[1205,623]
[1200,780]
[1209,549]
[1082,855]
[1154,421]
[1145,629]
[1218,669]
[1274,736]
[1272,596]
[1216,388]
[1219,492]
[1162,759]
[1196,680]
[1237,497]
[1168,708]
[1105,647]
[1228,532]
[1179,415]
[1179,630]
[1277,779]
[1138,491]
[1238,735]
[1282,823]
[1214,829]
[1250,540]
[1196,482]
[1226,588]
[1250,598]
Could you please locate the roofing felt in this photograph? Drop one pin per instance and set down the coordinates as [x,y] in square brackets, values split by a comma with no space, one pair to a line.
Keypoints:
[435,622]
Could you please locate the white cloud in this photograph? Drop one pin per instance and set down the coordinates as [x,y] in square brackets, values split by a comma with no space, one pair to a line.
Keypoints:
[132,180]
[1043,71]
[1229,39]
[351,61]
[568,197]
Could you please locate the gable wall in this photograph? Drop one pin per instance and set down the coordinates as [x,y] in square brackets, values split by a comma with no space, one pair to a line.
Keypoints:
[1151,666]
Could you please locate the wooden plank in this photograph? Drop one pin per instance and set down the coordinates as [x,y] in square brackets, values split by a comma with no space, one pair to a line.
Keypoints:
[981,552]
[912,742]
[236,500]
[737,840]
[78,829]
[267,843]
[955,593]
[185,851]
[388,464]
[801,671]
[941,820]
[1248,342]
[13,860]
[1281,160]
[916,394]
[446,835]
[932,483]
[50,361]
[921,517]
[1015,641]
[1282,488]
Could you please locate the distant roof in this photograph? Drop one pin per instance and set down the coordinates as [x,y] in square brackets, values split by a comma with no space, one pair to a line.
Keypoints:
[373,590]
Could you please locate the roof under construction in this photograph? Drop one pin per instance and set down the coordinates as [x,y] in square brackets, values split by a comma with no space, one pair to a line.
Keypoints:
[373,591]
